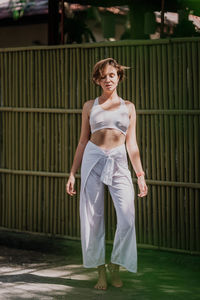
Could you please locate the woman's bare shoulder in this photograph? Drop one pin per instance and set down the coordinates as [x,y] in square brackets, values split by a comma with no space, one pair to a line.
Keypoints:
[130,105]
[88,106]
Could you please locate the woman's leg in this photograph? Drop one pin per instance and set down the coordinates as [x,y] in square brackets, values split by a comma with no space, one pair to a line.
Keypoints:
[92,225]
[124,248]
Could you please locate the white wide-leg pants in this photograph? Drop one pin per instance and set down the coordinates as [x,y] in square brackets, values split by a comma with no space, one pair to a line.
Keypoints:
[108,167]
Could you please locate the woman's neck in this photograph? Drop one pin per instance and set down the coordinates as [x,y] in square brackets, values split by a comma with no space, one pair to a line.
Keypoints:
[109,96]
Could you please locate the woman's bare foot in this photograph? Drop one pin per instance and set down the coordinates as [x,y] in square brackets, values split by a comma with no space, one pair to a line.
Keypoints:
[102,281]
[114,274]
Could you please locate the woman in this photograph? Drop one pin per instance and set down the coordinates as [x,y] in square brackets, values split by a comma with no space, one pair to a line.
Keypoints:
[108,122]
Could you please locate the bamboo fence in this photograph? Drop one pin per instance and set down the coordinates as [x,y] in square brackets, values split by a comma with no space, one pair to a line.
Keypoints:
[42,91]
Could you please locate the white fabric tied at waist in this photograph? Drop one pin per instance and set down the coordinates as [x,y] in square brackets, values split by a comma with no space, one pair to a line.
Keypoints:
[107,172]
[114,158]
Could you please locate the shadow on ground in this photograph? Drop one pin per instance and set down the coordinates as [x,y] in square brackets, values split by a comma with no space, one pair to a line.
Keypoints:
[46,268]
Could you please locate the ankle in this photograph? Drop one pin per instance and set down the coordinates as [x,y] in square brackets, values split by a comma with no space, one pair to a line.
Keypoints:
[101,269]
[113,267]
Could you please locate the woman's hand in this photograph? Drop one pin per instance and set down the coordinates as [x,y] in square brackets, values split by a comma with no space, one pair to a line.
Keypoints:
[142,186]
[70,185]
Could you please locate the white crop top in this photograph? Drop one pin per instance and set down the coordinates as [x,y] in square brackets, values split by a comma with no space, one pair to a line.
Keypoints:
[116,119]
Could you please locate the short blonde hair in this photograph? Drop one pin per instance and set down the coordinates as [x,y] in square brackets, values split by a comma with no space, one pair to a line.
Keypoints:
[100,66]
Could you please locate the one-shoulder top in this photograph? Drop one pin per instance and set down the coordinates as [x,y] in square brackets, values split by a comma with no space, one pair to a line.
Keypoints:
[116,119]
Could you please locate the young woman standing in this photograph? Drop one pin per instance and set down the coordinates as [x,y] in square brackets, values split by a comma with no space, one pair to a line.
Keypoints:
[108,124]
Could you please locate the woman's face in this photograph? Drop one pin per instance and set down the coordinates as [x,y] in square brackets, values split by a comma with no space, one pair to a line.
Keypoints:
[109,79]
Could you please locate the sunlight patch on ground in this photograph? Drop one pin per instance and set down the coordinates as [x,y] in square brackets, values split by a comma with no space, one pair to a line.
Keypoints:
[25,290]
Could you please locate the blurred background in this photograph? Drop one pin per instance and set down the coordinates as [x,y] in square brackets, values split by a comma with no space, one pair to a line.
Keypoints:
[54,22]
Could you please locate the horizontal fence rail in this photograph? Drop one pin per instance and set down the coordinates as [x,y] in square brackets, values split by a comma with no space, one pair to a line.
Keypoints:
[42,91]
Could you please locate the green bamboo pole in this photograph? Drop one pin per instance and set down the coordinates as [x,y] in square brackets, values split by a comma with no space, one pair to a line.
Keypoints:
[93,62]
[162,174]
[74,79]
[127,79]
[77,213]
[140,203]
[158,175]
[35,157]
[156,70]
[197,178]
[9,78]
[180,71]
[9,201]
[71,134]
[40,166]
[190,79]
[13,185]
[197,217]
[59,197]
[3,195]
[144,206]
[31,140]
[31,163]
[142,85]
[154,189]
[2,72]
[62,206]
[3,212]
[20,168]
[149,203]
[55,207]
[184,78]
[142,141]
[173,177]
[133,74]
[176,74]
[184,154]
[53,168]
[62,78]
[175,223]
[167,162]
[122,59]
[5,64]
[74,208]
[147,75]
[170,76]
[66,166]
[55,77]
[194,57]
[44,78]
[156,89]
[47,203]
[180,170]
[191,178]
[4,206]
[82,76]
[59,79]
[51,204]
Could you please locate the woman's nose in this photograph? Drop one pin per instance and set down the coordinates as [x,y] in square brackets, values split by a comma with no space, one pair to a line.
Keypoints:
[107,78]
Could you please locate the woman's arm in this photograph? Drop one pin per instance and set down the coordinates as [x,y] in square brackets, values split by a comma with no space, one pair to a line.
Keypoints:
[133,151]
[84,137]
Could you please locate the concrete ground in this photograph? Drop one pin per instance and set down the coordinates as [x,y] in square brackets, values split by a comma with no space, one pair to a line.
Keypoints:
[46,268]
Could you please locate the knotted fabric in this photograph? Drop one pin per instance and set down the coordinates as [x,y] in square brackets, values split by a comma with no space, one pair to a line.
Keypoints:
[108,170]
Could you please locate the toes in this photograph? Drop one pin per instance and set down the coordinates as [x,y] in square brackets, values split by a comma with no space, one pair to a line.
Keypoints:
[100,287]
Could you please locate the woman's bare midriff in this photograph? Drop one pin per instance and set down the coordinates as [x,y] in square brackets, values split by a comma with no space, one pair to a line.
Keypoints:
[108,138]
